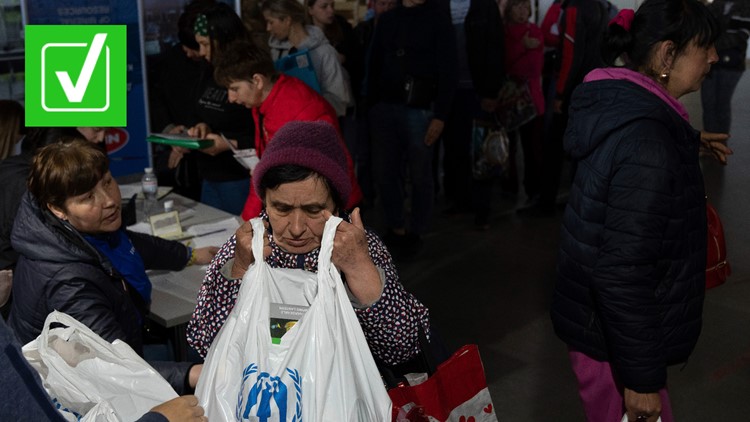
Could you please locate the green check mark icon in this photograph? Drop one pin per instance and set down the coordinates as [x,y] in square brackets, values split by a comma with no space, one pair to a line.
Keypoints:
[75,92]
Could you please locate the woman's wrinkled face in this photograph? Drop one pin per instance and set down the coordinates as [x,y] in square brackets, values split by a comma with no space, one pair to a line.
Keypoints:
[96,211]
[321,12]
[295,212]
[278,27]
[690,68]
[204,46]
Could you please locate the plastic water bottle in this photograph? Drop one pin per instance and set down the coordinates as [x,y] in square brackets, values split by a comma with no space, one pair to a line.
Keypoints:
[150,186]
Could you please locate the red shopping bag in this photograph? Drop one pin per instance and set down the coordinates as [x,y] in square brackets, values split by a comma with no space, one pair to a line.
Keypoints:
[717,266]
[456,392]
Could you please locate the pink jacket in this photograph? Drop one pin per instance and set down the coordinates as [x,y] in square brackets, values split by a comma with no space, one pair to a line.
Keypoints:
[526,63]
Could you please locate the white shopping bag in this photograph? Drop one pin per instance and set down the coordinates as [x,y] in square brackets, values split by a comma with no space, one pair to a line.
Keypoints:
[80,370]
[322,370]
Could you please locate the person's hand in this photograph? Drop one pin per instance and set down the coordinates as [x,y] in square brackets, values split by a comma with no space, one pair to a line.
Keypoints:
[219,145]
[194,374]
[184,408]
[640,405]
[352,257]
[530,42]
[488,104]
[199,131]
[204,256]
[175,156]
[715,144]
[557,106]
[243,250]
[433,131]
[177,129]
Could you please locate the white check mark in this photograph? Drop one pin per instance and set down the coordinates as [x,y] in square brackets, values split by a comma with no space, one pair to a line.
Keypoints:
[75,92]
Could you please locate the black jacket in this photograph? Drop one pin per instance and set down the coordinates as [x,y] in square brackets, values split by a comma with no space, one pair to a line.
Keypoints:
[631,271]
[59,270]
[485,47]
[416,41]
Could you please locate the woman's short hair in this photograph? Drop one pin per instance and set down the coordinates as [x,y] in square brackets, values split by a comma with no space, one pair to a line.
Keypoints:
[240,61]
[224,27]
[655,21]
[286,8]
[65,169]
[289,173]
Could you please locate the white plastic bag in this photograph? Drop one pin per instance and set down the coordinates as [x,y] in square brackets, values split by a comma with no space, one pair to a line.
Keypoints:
[322,370]
[80,370]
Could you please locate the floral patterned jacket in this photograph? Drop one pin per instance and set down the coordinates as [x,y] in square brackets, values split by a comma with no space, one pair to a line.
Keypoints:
[391,325]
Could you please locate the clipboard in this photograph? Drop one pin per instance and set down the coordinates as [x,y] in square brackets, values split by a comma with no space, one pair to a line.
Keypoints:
[184,141]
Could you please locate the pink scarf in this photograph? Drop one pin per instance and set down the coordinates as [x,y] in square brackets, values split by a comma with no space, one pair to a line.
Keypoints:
[641,80]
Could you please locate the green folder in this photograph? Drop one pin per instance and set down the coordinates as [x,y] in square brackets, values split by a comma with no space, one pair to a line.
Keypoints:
[184,141]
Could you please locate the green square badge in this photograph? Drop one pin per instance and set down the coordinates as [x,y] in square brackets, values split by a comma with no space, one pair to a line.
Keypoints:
[76,75]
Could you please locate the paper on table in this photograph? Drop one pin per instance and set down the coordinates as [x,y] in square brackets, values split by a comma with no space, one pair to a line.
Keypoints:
[222,230]
[173,283]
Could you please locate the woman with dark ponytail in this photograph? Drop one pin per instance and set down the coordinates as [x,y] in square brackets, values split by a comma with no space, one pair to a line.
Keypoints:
[631,274]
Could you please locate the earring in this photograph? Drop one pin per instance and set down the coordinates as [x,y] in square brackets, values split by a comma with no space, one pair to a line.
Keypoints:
[664,77]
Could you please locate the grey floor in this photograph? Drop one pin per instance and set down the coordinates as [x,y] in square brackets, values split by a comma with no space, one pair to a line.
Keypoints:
[493,288]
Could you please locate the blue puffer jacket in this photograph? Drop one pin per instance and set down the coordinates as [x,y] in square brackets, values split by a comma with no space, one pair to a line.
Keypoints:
[631,271]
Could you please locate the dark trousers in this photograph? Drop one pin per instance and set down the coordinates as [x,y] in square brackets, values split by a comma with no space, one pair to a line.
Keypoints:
[716,98]
[457,148]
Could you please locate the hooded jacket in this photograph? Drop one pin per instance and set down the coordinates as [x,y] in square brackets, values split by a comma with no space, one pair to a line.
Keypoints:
[290,100]
[631,270]
[333,80]
[59,270]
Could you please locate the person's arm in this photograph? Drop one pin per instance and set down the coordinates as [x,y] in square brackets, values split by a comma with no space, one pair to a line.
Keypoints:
[85,301]
[163,254]
[391,324]
[216,299]
[485,49]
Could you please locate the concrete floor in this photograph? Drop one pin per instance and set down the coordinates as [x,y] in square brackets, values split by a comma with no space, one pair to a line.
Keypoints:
[494,288]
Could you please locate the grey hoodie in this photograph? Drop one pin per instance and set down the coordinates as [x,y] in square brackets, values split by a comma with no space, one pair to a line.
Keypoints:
[333,79]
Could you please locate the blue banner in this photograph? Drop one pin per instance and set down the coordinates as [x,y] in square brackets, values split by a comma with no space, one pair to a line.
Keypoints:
[127,147]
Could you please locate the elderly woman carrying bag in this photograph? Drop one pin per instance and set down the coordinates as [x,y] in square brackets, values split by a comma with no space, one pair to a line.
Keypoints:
[302,179]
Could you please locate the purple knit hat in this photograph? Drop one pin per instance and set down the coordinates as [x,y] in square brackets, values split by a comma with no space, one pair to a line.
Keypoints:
[313,145]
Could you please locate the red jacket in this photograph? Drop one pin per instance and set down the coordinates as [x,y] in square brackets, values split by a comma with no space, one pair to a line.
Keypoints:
[292,100]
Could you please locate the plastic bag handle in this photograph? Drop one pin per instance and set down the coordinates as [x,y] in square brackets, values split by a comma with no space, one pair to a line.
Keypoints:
[326,245]
[259,233]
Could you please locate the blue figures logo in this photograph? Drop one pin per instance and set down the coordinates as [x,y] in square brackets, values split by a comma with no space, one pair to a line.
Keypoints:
[268,396]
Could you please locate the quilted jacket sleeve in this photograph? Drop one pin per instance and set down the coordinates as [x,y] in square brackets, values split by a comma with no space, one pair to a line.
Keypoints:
[641,206]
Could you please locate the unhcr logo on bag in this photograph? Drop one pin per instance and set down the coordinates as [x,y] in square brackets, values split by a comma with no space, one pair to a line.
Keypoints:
[76,75]
[269,396]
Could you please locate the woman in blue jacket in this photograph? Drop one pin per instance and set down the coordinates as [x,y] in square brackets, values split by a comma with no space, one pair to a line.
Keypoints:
[631,273]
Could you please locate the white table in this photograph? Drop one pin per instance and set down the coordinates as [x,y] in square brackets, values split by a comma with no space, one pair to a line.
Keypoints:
[174,293]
